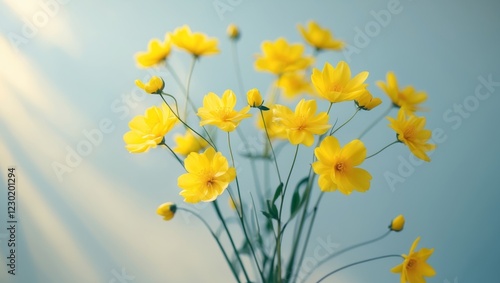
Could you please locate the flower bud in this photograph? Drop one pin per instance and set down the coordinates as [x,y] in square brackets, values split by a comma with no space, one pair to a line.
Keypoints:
[367,102]
[167,210]
[233,32]
[154,86]
[254,98]
[397,223]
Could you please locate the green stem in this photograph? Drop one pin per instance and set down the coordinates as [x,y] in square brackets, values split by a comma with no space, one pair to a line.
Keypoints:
[237,66]
[233,270]
[306,242]
[394,142]
[376,121]
[307,195]
[344,251]
[270,145]
[173,153]
[356,263]
[240,212]
[211,143]
[219,214]
[345,123]
[188,84]
[278,238]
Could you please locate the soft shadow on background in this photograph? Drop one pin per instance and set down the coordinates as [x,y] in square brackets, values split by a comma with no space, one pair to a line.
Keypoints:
[67,84]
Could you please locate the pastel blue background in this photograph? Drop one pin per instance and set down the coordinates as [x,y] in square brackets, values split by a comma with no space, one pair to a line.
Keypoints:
[99,221]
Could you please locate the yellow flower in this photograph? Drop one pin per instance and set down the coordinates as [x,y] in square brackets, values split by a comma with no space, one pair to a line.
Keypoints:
[148,131]
[157,53]
[415,267]
[233,32]
[301,126]
[274,130]
[154,86]
[320,38]
[408,97]
[294,84]
[220,111]
[367,102]
[336,85]
[196,43]
[254,98]
[337,169]
[167,210]
[188,143]
[208,175]
[410,131]
[280,57]
[397,223]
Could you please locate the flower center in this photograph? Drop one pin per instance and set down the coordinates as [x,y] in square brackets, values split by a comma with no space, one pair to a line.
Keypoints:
[409,133]
[340,167]
[336,88]
[411,264]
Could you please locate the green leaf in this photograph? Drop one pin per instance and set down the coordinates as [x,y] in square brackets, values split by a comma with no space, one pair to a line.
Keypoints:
[295,203]
[278,191]
[266,214]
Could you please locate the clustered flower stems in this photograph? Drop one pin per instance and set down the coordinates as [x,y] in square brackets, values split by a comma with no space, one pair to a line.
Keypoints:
[209,174]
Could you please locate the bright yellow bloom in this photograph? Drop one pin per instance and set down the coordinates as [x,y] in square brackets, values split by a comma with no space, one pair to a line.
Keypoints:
[280,57]
[189,143]
[274,130]
[301,126]
[220,111]
[196,43]
[410,131]
[320,38]
[154,86]
[336,166]
[157,53]
[397,223]
[407,97]
[366,101]
[167,210]
[233,32]
[294,84]
[208,175]
[148,131]
[254,98]
[336,85]
[415,267]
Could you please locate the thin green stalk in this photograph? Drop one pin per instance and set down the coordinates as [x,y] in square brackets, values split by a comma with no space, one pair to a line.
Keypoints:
[307,195]
[278,239]
[345,123]
[306,241]
[233,270]
[176,78]
[394,142]
[241,213]
[356,263]
[211,143]
[252,165]
[221,218]
[344,251]
[236,61]
[376,121]
[271,146]
[188,84]
[173,153]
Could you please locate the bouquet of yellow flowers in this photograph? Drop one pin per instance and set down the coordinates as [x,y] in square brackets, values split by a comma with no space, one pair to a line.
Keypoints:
[279,205]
